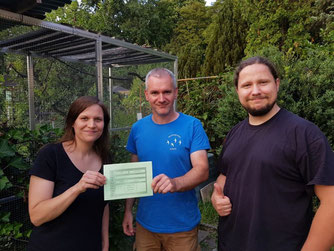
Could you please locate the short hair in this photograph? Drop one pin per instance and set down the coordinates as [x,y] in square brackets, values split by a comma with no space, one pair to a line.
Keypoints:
[101,145]
[158,73]
[251,61]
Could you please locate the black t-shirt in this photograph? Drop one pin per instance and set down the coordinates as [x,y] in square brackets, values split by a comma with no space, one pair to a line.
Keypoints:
[80,226]
[270,171]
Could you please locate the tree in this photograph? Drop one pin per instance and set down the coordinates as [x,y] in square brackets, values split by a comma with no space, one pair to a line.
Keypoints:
[225,37]
[143,22]
[214,103]
[322,26]
[308,88]
[149,22]
[188,41]
[283,24]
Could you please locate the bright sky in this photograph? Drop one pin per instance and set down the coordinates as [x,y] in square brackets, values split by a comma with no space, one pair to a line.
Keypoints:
[209,2]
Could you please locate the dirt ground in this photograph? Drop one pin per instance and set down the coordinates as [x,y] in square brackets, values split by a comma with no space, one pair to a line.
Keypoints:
[207,237]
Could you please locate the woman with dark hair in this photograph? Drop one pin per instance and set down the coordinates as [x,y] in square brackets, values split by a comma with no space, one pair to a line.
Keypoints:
[66,203]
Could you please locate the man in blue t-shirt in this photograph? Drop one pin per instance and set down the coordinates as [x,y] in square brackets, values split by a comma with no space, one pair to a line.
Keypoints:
[272,163]
[177,146]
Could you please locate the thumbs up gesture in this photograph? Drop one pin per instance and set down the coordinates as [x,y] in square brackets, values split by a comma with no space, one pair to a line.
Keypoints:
[220,202]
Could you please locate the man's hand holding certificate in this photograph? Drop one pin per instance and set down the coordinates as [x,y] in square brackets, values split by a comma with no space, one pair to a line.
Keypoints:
[128,180]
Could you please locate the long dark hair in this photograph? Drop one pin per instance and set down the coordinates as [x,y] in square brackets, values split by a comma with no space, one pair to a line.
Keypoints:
[101,145]
[251,61]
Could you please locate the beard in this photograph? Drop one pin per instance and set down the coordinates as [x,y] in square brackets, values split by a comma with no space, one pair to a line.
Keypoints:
[260,111]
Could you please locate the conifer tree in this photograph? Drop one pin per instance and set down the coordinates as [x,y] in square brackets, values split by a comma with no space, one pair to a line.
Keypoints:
[225,37]
[188,41]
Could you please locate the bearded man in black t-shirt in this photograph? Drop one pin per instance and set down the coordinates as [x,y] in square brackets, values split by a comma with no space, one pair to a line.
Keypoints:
[272,164]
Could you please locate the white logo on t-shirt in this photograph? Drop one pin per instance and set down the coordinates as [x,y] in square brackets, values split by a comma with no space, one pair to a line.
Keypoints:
[174,140]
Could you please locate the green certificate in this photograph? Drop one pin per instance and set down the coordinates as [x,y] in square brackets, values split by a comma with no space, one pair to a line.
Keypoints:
[128,180]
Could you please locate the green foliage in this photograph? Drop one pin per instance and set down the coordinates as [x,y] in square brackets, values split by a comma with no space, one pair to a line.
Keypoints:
[322,21]
[9,231]
[18,148]
[74,14]
[118,151]
[188,41]
[283,24]
[143,22]
[12,89]
[307,86]
[53,92]
[200,99]
[229,111]
[209,214]
[308,90]
[148,22]
[136,101]
[215,103]
[118,240]
[4,182]
[225,37]
[2,98]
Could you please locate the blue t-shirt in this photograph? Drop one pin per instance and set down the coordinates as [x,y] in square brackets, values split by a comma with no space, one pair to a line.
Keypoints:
[168,146]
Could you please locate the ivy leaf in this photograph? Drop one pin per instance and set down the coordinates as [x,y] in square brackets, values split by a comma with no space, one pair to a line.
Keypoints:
[17,228]
[205,116]
[5,149]
[18,163]
[5,217]
[4,183]
[18,135]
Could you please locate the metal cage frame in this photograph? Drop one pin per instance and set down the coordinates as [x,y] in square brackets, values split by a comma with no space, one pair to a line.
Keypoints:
[71,44]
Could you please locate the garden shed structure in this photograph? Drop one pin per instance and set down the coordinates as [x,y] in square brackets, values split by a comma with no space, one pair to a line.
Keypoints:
[53,40]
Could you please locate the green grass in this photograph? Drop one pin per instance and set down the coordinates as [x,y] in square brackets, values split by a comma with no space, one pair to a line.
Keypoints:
[210,217]
[209,214]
